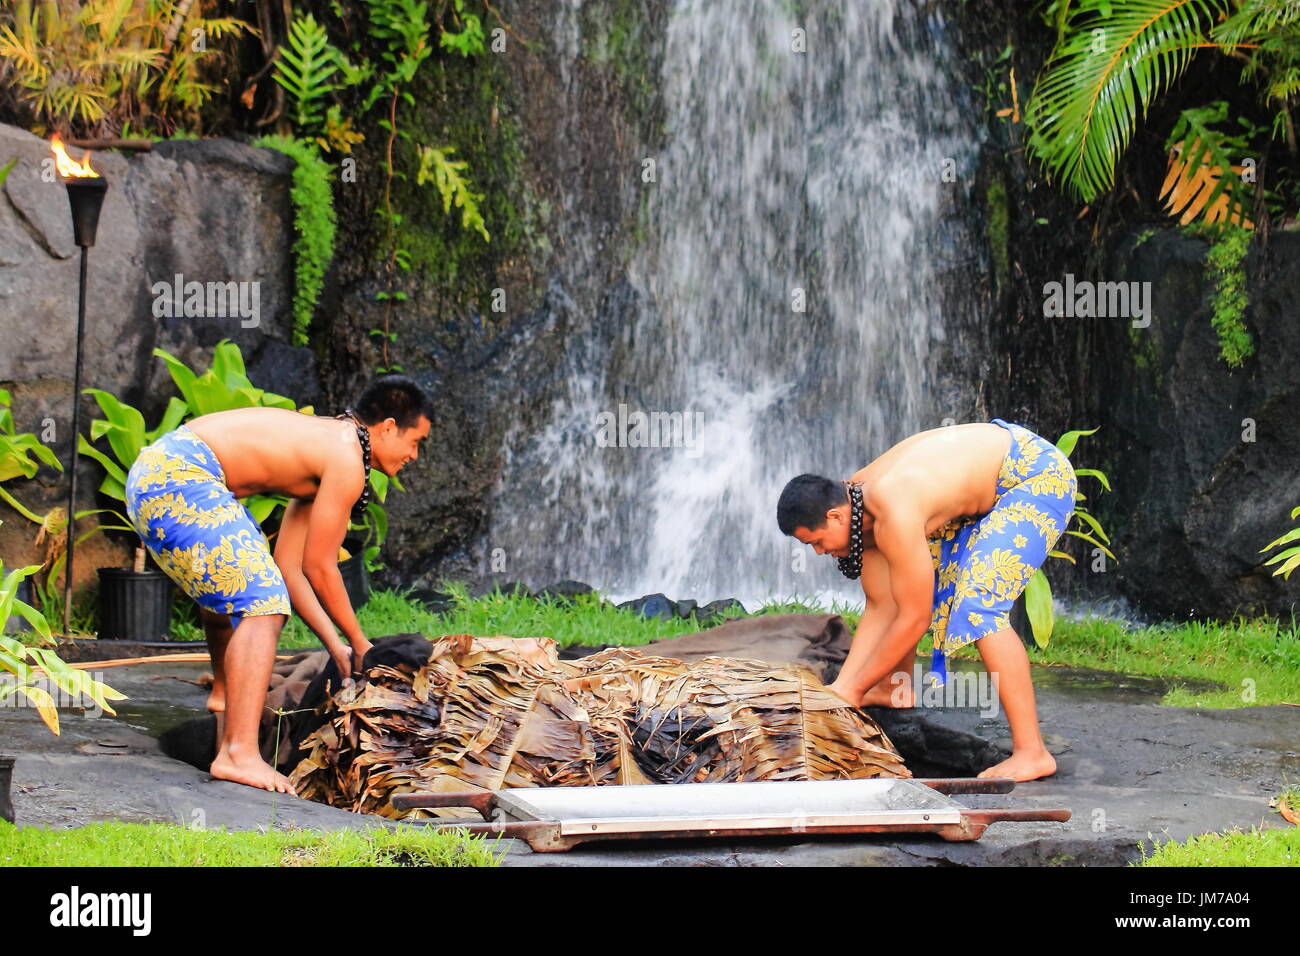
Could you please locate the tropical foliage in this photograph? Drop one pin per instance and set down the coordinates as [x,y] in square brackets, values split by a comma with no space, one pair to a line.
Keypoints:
[225,385]
[315,223]
[1289,559]
[1199,161]
[22,661]
[315,74]
[16,461]
[1226,272]
[1038,593]
[307,69]
[448,176]
[1113,58]
[99,66]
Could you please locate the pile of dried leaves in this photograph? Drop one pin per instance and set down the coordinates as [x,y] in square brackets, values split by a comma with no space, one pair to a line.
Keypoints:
[488,713]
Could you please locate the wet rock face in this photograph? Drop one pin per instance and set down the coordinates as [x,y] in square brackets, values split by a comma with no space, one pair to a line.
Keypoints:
[1193,503]
[569,110]
[208,210]
[1204,457]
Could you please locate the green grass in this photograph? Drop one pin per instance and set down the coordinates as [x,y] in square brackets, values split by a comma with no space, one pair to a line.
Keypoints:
[1257,657]
[1257,847]
[1233,848]
[165,844]
[1258,660]
[588,620]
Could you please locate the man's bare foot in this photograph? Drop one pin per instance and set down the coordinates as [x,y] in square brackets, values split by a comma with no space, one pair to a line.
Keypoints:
[1024,766]
[254,772]
[841,693]
[217,701]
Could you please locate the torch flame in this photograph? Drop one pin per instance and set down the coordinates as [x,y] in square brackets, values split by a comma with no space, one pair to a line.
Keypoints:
[69,168]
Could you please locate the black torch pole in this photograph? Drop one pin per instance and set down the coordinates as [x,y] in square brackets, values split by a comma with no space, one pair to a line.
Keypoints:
[76,430]
[85,195]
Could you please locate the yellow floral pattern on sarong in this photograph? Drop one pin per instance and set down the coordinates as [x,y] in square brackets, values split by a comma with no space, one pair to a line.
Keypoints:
[984,562]
[198,533]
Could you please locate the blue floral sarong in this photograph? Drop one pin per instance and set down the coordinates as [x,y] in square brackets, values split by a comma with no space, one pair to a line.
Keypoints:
[200,535]
[984,562]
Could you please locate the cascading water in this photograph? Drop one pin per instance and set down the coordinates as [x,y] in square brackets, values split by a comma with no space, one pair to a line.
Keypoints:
[781,309]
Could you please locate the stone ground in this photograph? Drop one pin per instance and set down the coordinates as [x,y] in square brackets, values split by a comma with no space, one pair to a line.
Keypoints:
[1130,770]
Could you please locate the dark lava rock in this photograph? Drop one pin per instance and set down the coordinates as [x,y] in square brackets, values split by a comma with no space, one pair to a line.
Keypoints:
[563,592]
[716,611]
[1202,456]
[436,602]
[490,585]
[652,606]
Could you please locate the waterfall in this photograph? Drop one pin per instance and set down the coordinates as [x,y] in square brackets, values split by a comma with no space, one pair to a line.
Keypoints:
[779,315]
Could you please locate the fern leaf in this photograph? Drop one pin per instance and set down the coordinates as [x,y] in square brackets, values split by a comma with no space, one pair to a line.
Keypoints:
[304,68]
[455,190]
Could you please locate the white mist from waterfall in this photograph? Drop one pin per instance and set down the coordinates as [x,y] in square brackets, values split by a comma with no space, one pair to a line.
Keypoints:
[785,175]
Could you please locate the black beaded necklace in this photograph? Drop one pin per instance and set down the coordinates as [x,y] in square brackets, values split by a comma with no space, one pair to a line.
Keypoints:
[851,565]
[363,436]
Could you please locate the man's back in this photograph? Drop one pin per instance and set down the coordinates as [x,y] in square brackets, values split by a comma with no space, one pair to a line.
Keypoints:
[268,450]
[943,473]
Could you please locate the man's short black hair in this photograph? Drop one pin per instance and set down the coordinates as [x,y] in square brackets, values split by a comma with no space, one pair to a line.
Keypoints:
[397,397]
[805,501]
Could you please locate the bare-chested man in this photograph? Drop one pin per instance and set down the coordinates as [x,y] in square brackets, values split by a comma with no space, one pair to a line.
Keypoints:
[181,497]
[951,525]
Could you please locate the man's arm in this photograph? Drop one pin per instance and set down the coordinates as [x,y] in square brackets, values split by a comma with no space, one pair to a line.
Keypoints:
[877,616]
[900,538]
[309,543]
[289,544]
[340,486]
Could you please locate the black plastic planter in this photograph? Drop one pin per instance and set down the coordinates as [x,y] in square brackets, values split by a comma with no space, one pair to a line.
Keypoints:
[134,605]
[356,580]
[6,778]
[17,623]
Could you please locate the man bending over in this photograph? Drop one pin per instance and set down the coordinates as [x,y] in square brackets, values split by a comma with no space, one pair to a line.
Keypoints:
[944,530]
[181,497]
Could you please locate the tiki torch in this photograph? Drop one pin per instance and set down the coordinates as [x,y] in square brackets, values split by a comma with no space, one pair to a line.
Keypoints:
[86,190]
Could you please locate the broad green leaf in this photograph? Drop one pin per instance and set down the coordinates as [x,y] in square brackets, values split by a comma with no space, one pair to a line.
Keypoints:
[1291,535]
[1067,441]
[1093,473]
[1038,606]
[1091,540]
[115,471]
[44,706]
[1092,523]
[180,373]
[171,420]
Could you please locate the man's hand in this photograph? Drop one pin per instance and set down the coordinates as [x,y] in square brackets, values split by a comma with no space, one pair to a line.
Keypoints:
[348,660]
[359,650]
[343,661]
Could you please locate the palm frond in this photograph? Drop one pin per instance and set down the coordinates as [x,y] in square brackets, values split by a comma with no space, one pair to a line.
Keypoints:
[1113,61]
[1258,20]
[1201,180]
[482,714]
